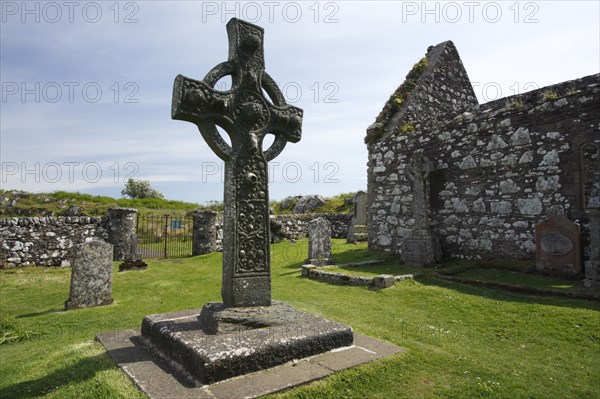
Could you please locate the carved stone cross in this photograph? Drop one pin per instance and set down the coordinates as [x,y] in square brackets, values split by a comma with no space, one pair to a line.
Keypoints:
[419,169]
[247,115]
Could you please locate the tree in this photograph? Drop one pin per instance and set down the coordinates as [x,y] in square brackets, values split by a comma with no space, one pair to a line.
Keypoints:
[140,189]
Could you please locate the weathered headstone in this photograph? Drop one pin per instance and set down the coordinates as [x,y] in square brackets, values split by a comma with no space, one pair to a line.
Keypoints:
[204,238]
[592,265]
[421,246]
[91,275]
[358,226]
[558,245]
[209,345]
[319,242]
[122,233]
[247,115]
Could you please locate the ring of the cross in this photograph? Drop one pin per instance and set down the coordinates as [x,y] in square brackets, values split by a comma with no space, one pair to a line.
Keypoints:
[227,68]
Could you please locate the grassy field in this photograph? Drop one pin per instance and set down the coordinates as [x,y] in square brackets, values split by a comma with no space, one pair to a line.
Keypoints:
[460,341]
[20,203]
[56,203]
[521,280]
[391,267]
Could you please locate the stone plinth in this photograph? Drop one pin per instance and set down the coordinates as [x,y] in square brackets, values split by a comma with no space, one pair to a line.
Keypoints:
[122,233]
[319,242]
[152,375]
[421,247]
[240,340]
[204,238]
[91,275]
[357,233]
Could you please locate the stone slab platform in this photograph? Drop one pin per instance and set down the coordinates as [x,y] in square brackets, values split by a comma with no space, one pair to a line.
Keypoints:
[157,378]
[252,339]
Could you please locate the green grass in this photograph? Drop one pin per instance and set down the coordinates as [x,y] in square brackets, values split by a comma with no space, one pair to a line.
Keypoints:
[388,267]
[521,279]
[57,203]
[461,341]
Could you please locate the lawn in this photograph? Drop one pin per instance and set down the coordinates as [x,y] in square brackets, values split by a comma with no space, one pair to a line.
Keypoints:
[461,341]
[522,280]
[391,267]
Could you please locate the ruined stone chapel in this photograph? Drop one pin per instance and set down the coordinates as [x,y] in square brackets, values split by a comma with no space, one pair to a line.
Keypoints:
[491,171]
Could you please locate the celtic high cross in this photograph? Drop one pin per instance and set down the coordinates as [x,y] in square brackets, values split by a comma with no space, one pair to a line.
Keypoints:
[247,115]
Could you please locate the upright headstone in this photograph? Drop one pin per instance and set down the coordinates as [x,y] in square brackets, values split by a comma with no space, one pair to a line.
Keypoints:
[122,233]
[558,245]
[319,242]
[421,246]
[358,226]
[247,115]
[91,275]
[592,265]
[204,237]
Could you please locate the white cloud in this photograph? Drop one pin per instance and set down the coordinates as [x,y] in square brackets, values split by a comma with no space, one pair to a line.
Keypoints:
[365,55]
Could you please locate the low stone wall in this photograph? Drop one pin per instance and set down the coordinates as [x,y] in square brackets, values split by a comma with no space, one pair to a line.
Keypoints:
[46,241]
[295,226]
[322,274]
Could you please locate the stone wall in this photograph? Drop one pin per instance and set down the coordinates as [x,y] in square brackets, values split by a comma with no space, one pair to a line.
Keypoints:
[45,241]
[499,168]
[295,226]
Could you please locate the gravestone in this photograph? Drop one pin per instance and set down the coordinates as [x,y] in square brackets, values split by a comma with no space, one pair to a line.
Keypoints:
[123,236]
[558,245]
[357,231]
[421,246]
[91,275]
[247,331]
[122,233]
[204,238]
[592,265]
[319,242]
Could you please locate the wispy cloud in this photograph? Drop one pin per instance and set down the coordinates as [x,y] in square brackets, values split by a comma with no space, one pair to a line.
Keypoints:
[338,60]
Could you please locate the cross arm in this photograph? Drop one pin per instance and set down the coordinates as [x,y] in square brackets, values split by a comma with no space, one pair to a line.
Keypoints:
[197,102]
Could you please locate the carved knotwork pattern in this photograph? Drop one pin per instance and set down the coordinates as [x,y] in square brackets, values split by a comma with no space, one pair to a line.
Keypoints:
[252,214]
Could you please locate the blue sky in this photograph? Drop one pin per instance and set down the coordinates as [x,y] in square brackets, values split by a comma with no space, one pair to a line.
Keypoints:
[86,86]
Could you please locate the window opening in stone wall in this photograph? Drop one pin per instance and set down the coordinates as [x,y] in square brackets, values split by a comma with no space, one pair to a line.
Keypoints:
[437,181]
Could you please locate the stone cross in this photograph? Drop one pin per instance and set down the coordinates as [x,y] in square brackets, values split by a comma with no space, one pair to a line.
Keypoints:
[247,115]
[419,169]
